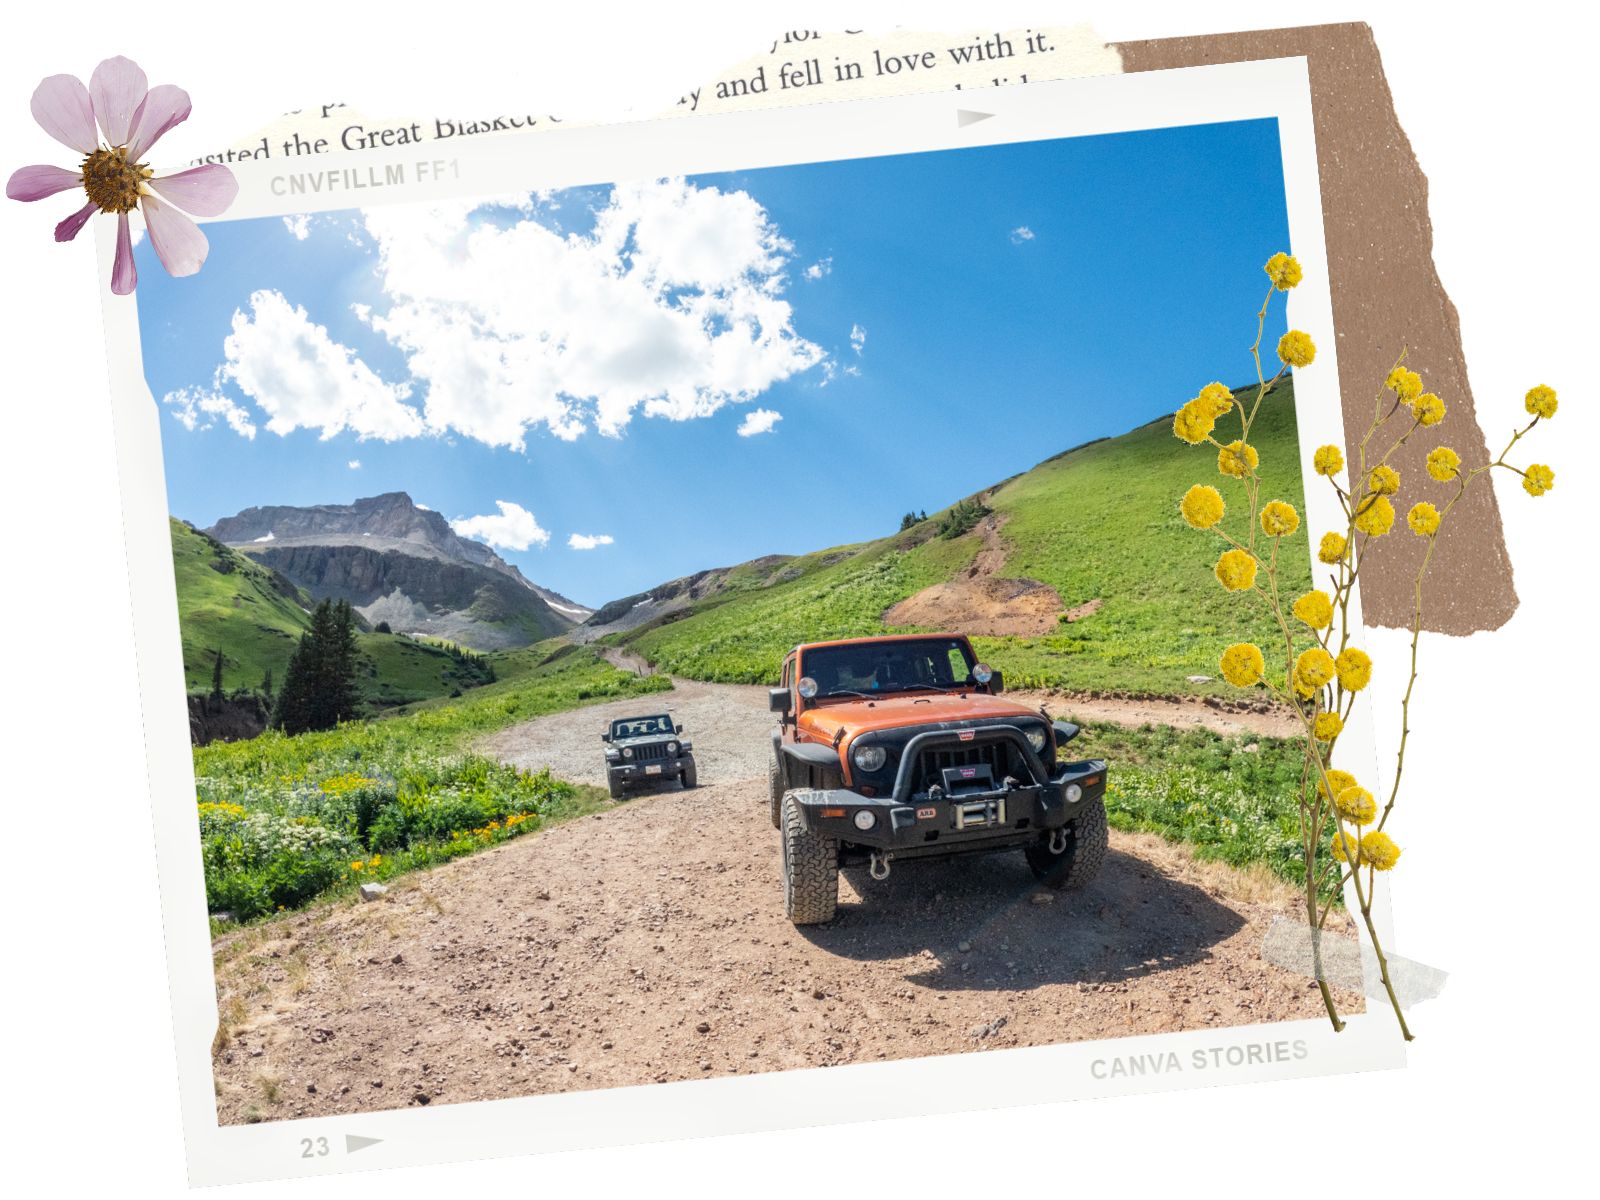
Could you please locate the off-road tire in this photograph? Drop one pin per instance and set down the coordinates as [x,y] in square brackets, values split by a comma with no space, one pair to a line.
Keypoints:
[1087,842]
[810,867]
[775,785]
[688,775]
[617,788]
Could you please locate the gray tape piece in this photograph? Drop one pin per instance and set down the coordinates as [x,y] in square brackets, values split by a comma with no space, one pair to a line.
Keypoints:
[1349,964]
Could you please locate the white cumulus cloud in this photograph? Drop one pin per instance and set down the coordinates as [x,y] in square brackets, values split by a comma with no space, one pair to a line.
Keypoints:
[354,464]
[201,408]
[512,528]
[858,338]
[588,541]
[1021,234]
[672,307]
[303,379]
[758,420]
[299,226]
[823,266]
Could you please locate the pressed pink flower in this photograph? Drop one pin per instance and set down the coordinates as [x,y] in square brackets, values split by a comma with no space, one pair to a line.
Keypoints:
[113,174]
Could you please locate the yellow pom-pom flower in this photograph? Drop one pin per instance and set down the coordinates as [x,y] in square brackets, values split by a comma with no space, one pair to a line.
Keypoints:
[1405,384]
[1538,479]
[1332,549]
[1346,848]
[1284,271]
[1216,398]
[1312,670]
[1379,849]
[1315,608]
[1443,464]
[1327,726]
[1377,518]
[1193,423]
[1384,480]
[1428,409]
[1541,401]
[1356,805]
[1296,348]
[1279,519]
[1423,519]
[1237,459]
[1328,460]
[1236,570]
[1354,667]
[1337,780]
[1243,665]
[1202,506]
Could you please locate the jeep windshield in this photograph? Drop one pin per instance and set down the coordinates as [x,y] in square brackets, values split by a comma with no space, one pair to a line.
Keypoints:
[873,668]
[634,727]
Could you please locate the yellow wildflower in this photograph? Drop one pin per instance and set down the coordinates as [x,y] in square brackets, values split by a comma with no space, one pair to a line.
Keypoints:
[1442,464]
[1328,460]
[1538,479]
[1405,384]
[1423,519]
[1384,480]
[1315,608]
[1216,398]
[1377,518]
[1202,506]
[1193,422]
[1279,519]
[1346,848]
[356,866]
[1541,401]
[1337,780]
[1355,669]
[1356,805]
[1243,665]
[1312,670]
[1327,726]
[1284,271]
[1332,549]
[1379,849]
[1428,409]
[1236,570]
[1296,348]
[1237,459]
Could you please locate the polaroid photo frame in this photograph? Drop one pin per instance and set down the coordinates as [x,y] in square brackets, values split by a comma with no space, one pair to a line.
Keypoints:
[840,133]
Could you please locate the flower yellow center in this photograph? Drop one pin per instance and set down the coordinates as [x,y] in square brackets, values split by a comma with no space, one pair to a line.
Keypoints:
[111,181]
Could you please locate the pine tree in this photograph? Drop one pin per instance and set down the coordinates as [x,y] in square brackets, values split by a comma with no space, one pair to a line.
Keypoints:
[266,685]
[319,689]
[216,678]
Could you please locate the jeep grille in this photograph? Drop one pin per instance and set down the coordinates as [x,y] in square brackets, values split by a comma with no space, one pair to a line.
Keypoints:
[932,763]
[650,750]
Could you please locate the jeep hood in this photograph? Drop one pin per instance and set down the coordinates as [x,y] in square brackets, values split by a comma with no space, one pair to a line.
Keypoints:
[855,717]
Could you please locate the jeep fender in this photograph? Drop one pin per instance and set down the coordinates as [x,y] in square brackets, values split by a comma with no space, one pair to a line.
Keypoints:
[799,760]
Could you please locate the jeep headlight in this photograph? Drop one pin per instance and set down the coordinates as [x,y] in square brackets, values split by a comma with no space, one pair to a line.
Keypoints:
[807,687]
[869,758]
[672,747]
[1074,793]
[627,752]
[1037,738]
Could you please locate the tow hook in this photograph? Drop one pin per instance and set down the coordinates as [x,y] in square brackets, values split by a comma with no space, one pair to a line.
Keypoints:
[1058,840]
[878,868]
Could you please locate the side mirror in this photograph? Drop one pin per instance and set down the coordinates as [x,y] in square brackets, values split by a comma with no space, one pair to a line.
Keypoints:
[606,736]
[678,728]
[1065,732]
[997,683]
[779,700]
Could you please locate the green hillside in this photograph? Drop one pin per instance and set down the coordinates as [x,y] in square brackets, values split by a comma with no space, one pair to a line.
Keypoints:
[229,602]
[1096,523]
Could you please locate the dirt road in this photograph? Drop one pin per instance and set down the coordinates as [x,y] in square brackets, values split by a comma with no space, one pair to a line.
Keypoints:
[648,943]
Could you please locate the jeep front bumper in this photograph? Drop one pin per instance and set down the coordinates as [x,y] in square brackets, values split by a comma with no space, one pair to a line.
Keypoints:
[649,770]
[948,822]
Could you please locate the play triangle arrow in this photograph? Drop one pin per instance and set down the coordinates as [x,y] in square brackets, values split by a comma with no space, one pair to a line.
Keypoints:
[965,117]
[352,1143]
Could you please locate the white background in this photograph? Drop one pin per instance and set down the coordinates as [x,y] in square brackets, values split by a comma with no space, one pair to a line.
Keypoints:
[1497,863]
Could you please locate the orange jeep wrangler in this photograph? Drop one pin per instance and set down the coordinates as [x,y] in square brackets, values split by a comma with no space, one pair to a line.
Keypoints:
[901,747]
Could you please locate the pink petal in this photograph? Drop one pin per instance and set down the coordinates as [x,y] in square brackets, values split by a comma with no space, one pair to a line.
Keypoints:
[179,244]
[124,276]
[204,191]
[163,108]
[35,183]
[118,87]
[68,229]
[62,107]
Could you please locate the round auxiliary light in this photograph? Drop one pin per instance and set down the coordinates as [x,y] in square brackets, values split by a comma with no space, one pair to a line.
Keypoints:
[627,752]
[864,819]
[672,747]
[808,688]
[870,758]
[983,672]
[1074,793]
[1036,739]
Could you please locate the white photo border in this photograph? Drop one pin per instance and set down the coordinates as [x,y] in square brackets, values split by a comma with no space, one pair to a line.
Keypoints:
[487,167]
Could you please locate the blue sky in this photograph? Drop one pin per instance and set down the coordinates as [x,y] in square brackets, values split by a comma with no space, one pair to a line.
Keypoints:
[924,325]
